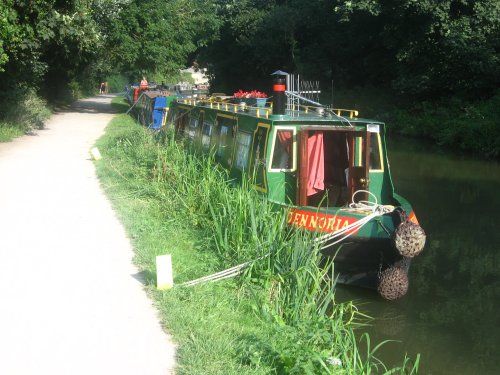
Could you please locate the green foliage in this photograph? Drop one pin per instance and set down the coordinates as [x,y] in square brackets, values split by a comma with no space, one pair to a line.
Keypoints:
[472,127]
[74,91]
[64,49]
[171,78]
[307,348]
[46,42]
[117,83]
[286,266]
[155,36]
[8,31]
[25,110]
[418,48]
[8,132]
[321,346]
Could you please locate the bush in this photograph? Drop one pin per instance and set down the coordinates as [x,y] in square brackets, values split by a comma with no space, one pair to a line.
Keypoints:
[472,127]
[25,110]
[74,91]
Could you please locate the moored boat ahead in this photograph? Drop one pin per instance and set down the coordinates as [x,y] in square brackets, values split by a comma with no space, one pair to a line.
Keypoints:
[328,167]
[150,103]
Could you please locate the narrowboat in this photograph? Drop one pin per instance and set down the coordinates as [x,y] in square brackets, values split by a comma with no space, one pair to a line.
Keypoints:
[151,107]
[327,167]
[150,104]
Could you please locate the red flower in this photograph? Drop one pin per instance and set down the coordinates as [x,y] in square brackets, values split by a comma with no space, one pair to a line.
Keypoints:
[251,94]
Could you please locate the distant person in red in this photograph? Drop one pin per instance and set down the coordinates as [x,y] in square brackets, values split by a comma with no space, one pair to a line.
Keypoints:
[144,83]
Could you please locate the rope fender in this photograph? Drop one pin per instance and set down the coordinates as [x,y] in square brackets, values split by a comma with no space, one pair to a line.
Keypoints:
[393,283]
[408,238]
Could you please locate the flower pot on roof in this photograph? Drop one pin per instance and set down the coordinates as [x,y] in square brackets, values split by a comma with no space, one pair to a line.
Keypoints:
[251,98]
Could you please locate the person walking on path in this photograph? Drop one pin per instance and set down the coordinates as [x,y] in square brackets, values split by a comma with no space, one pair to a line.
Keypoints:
[71,300]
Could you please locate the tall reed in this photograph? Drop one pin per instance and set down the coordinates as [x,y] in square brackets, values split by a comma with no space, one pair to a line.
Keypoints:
[243,227]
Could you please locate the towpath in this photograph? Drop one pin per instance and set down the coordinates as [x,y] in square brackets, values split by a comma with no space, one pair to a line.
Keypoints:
[71,302]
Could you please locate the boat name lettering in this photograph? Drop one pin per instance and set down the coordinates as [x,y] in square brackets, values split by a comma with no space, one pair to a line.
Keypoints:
[318,221]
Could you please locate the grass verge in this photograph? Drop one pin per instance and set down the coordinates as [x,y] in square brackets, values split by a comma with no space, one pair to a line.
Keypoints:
[280,317]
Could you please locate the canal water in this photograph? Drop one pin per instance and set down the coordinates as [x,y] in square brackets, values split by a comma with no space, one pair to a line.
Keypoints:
[451,314]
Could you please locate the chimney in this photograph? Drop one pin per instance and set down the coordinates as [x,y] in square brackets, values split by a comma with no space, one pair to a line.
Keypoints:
[279,96]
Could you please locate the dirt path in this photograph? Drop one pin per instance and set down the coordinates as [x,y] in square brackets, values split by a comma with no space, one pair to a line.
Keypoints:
[70,299]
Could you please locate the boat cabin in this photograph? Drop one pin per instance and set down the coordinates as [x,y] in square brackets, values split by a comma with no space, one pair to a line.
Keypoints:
[301,158]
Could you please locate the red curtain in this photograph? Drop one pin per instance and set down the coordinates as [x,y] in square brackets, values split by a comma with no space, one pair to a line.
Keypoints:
[285,137]
[316,164]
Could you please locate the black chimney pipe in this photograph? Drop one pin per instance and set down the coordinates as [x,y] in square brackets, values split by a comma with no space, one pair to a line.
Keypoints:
[279,96]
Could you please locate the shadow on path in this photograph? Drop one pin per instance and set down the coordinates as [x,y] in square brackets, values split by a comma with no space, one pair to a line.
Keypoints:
[96,104]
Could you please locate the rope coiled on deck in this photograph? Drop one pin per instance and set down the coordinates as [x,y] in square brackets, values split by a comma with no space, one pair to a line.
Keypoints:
[373,208]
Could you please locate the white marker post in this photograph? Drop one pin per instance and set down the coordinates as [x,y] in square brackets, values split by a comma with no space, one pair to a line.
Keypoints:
[164,277]
[96,155]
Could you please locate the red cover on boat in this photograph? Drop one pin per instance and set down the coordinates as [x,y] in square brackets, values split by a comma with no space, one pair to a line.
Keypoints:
[316,164]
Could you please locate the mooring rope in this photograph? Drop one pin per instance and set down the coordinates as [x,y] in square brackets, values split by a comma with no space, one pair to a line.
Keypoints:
[360,206]
[230,272]
[375,208]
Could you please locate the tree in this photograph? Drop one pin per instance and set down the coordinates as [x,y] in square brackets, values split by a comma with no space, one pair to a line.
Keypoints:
[439,48]
[8,32]
[45,44]
[418,48]
[158,36]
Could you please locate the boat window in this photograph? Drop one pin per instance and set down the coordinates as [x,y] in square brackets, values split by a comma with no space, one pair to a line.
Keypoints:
[243,142]
[226,132]
[283,150]
[375,152]
[223,140]
[207,133]
[200,125]
[193,125]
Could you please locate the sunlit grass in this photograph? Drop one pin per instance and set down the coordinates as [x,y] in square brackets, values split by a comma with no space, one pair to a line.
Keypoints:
[9,132]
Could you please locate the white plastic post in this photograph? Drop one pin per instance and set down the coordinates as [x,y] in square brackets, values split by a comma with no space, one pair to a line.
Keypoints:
[164,277]
[96,155]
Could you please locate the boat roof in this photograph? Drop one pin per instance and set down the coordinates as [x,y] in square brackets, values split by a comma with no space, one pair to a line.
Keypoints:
[304,114]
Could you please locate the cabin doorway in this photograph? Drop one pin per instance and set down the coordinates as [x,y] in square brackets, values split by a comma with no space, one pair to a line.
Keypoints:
[333,164]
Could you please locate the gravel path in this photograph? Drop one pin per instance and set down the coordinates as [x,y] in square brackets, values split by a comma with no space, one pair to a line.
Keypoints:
[71,302]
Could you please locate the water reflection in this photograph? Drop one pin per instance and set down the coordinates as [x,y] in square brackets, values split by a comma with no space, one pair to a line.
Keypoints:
[450,315]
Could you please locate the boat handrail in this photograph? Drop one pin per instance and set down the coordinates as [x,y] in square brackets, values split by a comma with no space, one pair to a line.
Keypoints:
[227,106]
[311,108]
[223,103]
[317,106]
